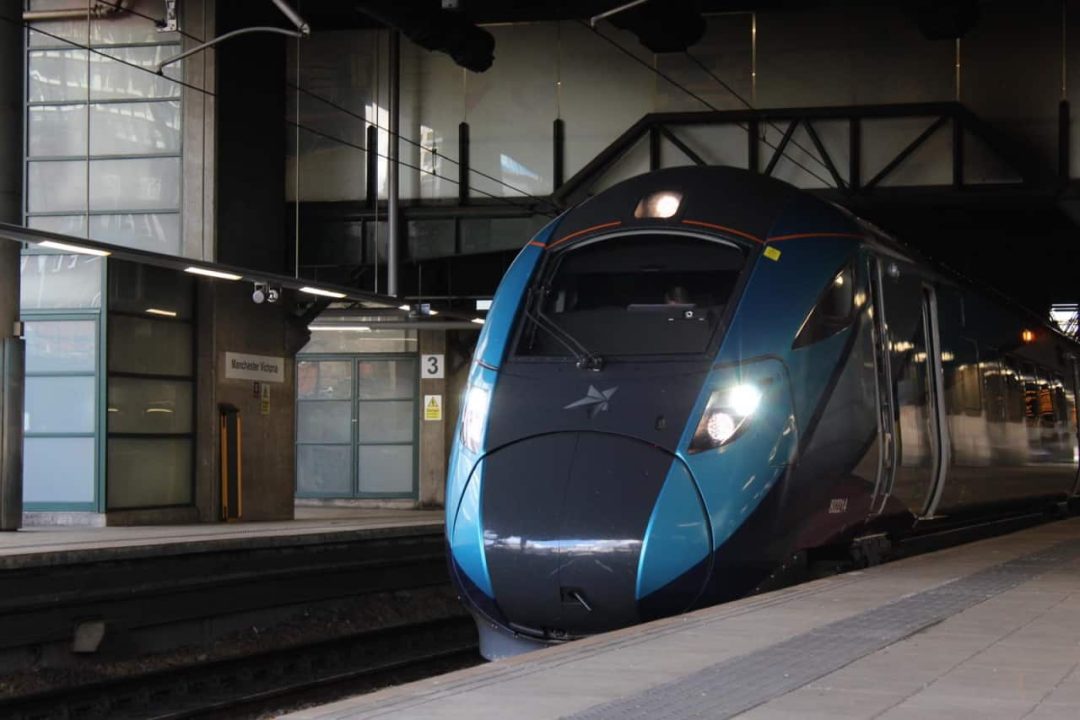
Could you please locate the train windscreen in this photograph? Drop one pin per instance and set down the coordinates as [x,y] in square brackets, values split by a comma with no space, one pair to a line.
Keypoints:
[652,294]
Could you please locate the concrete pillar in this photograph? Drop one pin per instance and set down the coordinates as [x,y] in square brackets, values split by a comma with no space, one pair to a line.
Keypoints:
[433,432]
[11,102]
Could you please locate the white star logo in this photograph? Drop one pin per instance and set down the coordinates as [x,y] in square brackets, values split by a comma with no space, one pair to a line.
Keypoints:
[595,400]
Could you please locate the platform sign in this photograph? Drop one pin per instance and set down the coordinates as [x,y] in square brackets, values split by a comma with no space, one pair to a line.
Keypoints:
[431,367]
[263,368]
[432,407]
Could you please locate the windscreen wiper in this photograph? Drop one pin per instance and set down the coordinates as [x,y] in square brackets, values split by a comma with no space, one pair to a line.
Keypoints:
[586,359]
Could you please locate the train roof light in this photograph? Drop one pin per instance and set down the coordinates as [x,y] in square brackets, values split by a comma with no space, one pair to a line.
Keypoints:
[659,205]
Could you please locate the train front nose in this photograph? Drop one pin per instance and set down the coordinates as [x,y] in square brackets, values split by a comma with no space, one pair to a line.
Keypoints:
[580,527]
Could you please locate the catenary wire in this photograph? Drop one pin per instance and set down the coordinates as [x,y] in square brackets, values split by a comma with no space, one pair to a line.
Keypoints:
[697,97]
[746,102]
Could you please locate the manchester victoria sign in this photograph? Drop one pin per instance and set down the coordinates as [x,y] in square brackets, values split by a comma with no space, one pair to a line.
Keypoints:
[254,367]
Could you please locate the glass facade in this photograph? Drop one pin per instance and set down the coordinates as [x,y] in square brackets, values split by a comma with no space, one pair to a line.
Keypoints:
[103,146]
[109,386]
[151,387]
[356,426]
[60,418]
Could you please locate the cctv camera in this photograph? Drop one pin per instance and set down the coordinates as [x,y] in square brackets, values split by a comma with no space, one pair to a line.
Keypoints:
[272,295]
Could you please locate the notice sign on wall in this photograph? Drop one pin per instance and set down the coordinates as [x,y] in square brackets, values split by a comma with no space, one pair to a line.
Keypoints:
[254,367]
[433,407]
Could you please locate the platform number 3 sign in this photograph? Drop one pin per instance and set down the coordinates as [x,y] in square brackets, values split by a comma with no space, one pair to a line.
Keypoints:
[431,367]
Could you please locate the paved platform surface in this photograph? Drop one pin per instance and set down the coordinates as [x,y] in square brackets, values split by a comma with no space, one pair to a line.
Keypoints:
[64,545]
[986,630]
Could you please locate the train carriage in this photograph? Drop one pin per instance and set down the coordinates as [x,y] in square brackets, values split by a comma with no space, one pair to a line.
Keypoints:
[701,374]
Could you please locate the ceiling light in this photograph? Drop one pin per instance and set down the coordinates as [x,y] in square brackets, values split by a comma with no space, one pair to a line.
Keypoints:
[478,321]
[483,304]
[323,293]
[162,313]
[74,248]
[346,328]
[406,308]
[213,273]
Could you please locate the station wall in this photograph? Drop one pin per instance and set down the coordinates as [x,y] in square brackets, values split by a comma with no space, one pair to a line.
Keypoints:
[1008,70]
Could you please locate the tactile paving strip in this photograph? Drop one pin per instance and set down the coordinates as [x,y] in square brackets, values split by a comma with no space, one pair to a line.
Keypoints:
[739,684]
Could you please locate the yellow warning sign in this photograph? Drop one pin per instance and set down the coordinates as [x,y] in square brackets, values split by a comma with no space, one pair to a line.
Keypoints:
[433,407]
[772,253]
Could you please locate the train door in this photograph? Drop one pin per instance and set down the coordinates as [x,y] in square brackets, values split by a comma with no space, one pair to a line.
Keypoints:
[912,427]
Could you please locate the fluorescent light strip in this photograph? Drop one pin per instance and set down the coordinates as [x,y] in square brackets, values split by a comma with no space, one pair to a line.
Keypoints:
[346,328]
[320,291]
[406,308]
[162,313]
[213,273]
[74,248]
[478,321]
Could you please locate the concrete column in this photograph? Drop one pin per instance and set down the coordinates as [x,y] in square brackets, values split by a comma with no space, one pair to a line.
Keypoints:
[11,102]
[433,432]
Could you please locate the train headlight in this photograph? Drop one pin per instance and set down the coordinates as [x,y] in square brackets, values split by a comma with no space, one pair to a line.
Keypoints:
[659,205]
[725,416]
[474,417]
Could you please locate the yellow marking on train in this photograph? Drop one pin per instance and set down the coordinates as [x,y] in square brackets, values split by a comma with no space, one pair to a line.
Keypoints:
[772,253]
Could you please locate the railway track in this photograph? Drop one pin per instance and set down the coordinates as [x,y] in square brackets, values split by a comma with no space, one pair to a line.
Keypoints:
[259,683]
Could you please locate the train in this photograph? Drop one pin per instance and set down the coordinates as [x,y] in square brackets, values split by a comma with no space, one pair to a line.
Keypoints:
[698,378]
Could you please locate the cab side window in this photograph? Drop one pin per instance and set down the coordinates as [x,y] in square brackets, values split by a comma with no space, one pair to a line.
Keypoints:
[834,310]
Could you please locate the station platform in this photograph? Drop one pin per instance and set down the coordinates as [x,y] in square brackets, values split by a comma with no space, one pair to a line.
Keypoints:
[58,545]
[986,630]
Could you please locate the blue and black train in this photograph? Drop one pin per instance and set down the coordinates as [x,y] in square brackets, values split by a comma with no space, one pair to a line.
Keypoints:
[701,374]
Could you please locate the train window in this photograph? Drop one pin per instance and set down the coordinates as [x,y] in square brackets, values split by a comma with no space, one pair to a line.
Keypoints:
[650,294]
[1016,402]
[834,310]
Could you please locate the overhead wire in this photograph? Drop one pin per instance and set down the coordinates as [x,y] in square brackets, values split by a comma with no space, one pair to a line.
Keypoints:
[421,146]
[697,97]
[331,138]
[749,106]
[507,200]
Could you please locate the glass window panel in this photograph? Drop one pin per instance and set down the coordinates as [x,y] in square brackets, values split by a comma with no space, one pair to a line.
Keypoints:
[386,421]
[58,470]
[134,288]
[115,79]
[136,184]
[60,281]
[149,347]
[481,235]
[386,469]
[61,346]
[73,225]
[324,470]
[385,379]
[120,29]
[56,186]
[324,421]
[143,128]
[376,341]
[149,472]
[56,130]
[430,238]
[60,404]
[156,232]
[150,406]
[54,75]
[324,379]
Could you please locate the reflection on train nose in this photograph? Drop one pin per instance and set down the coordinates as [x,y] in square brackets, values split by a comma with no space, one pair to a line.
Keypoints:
[567,547]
